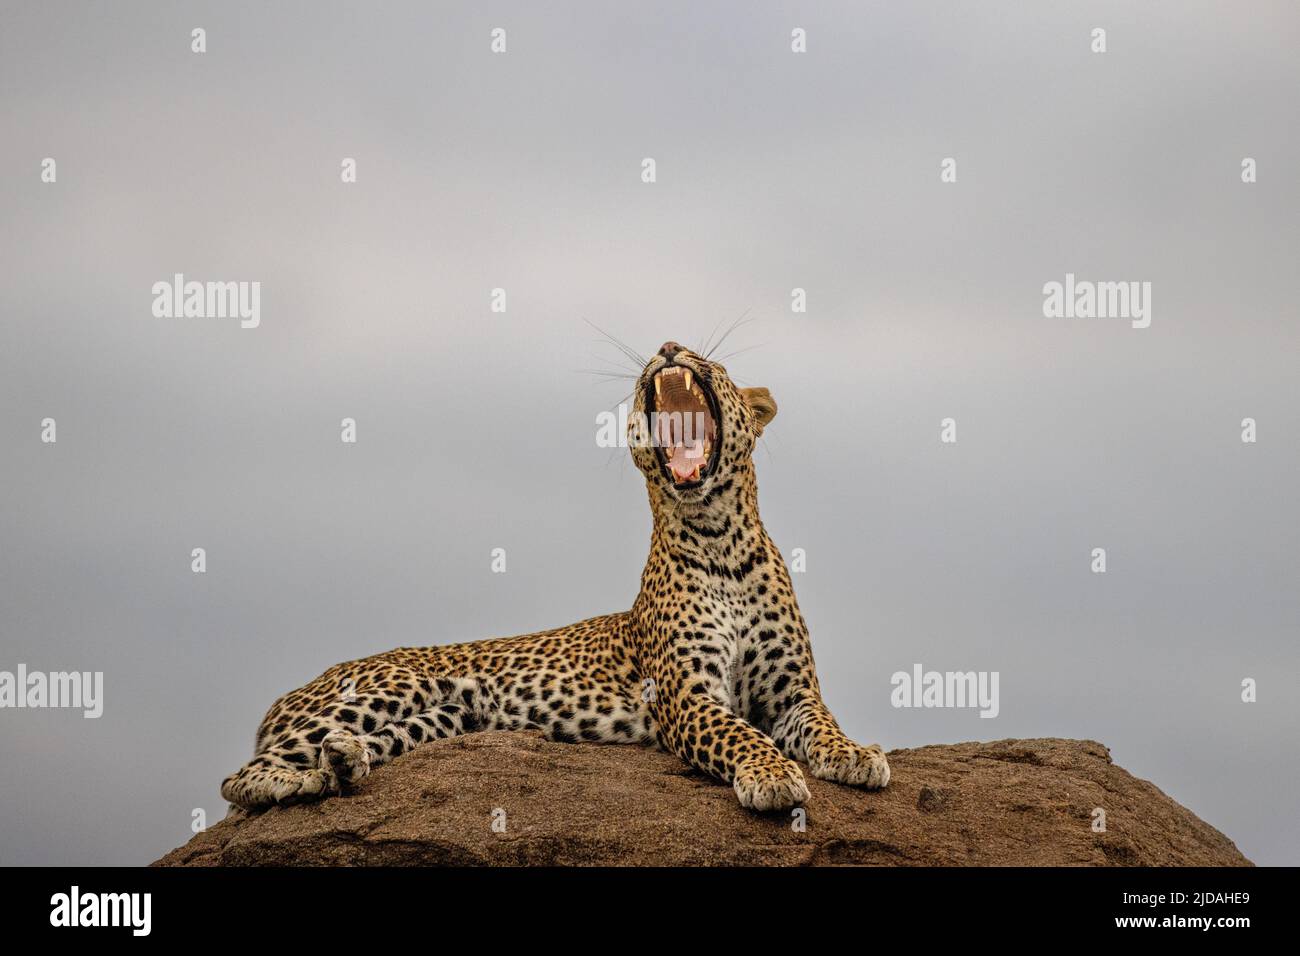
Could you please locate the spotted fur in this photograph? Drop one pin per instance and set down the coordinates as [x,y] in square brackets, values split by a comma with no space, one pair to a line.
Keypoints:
[712,662]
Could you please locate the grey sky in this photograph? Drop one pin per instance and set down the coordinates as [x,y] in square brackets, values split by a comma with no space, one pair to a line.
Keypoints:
[522,171]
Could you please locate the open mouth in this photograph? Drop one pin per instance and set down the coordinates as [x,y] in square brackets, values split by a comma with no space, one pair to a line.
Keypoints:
[684,425]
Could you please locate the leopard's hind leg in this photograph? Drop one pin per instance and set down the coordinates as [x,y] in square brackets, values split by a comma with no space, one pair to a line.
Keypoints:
[315,755]
[350,756]
[277,776]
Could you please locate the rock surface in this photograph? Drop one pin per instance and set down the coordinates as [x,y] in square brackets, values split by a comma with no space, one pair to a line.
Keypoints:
[1008,803]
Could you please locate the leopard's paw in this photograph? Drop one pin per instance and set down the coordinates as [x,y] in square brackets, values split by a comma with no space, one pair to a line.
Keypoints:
[302,786]
[777,784]
[345,756]
[855,765]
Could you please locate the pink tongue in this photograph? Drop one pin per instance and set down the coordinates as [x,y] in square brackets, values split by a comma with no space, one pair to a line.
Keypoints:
[685,459]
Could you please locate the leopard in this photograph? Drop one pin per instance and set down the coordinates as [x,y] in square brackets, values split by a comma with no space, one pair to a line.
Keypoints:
[712,662]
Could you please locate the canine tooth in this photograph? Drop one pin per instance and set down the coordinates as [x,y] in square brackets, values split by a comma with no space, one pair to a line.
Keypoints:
[687,378]
[659,387]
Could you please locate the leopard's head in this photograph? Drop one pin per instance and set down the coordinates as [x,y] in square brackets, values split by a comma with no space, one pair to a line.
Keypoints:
[692,431]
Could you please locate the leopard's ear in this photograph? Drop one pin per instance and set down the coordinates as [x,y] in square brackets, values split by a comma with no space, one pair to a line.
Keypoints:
[762,403]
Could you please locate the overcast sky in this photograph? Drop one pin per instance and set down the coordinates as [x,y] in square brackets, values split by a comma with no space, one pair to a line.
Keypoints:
[476,430]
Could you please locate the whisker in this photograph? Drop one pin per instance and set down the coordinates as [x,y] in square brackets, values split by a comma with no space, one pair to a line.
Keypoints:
[748,348]
[623,366]
[623,347]
[605,375]
[743,320]
[703,350]
[628,353]
[711,345]
[620,402]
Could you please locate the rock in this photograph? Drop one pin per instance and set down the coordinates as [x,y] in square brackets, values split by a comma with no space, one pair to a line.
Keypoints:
[1005,803]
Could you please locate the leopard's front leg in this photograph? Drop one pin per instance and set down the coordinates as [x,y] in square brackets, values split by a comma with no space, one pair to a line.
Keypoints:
[778,686]
[709,737]
[806,731]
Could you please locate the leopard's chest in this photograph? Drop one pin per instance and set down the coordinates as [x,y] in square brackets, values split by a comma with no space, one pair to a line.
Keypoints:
[730,616]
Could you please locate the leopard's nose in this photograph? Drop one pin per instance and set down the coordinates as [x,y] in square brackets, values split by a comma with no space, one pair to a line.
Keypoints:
[669,349]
